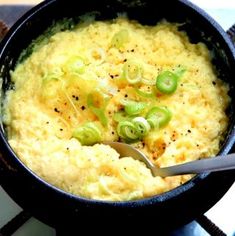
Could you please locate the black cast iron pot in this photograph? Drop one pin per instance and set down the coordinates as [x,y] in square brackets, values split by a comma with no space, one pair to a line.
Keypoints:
[165,211]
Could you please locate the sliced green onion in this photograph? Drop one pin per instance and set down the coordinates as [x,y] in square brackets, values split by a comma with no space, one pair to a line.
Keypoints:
[127,130]
[133,130]
[132,72]
[55,73]
[97,55]
[142,125]
[167,82]
[120,116]
[145,94]
[179,71]
[120,38]
[158,117]
[99,112]
[75,65]
[88,134]
[148,81]
[133,108]
[51,84]
[48,79]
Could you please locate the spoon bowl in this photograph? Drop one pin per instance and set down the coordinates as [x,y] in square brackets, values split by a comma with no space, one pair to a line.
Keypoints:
[218,163]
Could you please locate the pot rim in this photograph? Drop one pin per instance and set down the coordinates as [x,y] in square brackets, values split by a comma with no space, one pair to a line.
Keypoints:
[230,140]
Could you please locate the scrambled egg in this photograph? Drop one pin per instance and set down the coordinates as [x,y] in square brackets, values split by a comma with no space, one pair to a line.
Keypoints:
[49,101]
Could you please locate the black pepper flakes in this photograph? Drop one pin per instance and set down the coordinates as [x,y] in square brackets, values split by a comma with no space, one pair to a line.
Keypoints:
[111,76]
[126,96]
[113,133]
[83,108]
[213,82]
[132,50]
[47,122]
[125,60]
[75,97]
[61,129]
[189,131]
[56,110]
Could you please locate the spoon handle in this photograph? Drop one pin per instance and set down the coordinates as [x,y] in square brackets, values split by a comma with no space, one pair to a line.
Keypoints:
[218,163]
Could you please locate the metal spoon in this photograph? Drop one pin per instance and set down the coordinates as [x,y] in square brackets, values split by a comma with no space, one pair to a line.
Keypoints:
[218,163]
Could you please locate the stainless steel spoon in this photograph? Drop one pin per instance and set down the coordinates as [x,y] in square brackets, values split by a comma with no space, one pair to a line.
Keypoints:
[218,163]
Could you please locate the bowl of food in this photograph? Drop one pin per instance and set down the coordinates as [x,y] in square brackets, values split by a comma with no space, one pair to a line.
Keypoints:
[74,77]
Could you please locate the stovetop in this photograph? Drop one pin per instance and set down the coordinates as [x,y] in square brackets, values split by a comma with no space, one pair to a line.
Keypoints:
[220,218]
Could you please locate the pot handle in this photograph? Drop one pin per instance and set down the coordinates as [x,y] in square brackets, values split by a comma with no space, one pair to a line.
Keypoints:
[3,29]
[231,33]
